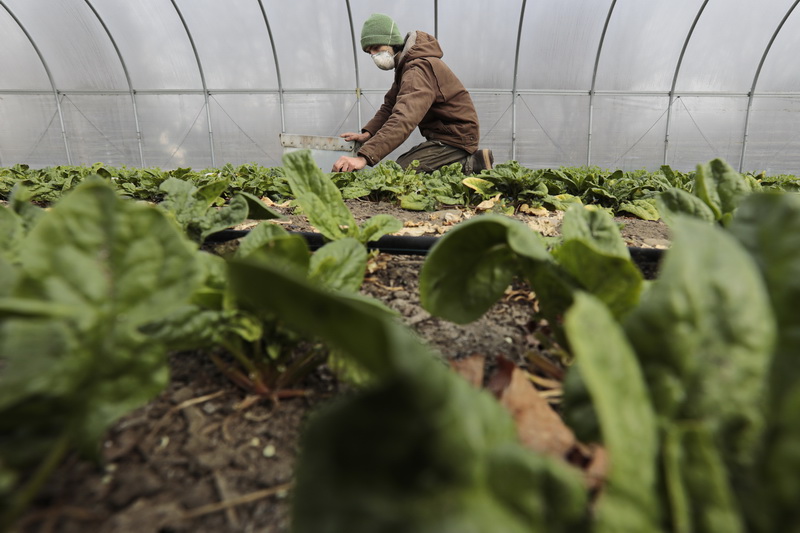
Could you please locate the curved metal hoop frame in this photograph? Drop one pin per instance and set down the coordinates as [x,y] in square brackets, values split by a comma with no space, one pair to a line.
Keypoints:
[202,80]
[56,94]
[516,93]
[755,81]
[127,78]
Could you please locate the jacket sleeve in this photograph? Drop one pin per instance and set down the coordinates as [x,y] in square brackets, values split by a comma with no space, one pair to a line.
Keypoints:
[415,95]
[380,118]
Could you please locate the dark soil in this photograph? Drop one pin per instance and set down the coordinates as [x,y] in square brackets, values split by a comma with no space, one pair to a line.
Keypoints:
[202,458]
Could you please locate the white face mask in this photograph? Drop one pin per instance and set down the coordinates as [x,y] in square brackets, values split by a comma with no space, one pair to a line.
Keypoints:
[384,60]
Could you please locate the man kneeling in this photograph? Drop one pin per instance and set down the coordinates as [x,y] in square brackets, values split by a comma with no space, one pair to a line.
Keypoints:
[425,94]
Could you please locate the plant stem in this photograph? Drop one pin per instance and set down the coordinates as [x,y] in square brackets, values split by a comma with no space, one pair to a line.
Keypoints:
[237,353]
[292,393]
[29,491]
[298,370]
[233,373]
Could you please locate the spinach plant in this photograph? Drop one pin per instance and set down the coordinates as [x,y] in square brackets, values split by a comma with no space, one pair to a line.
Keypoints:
[490,250]
[266,358]
[193,207]
[384,182]
[692,383]
[716,193]
[419,449]
[92,271]
[264,351]
[322,203]
[253,179]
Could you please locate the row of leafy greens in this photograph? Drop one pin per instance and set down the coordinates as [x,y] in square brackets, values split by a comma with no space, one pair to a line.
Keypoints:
[624,193]
[689,381]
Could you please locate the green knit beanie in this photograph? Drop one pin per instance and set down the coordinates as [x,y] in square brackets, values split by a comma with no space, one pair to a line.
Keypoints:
[380,29]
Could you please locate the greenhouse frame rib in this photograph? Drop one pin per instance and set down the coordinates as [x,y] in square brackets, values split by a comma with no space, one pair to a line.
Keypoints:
[277,65]
[355,61]
[514,94]
[675,76]
[673,95]
[755,81]
[49,77]
[202,80]
[592,91]
[127,79]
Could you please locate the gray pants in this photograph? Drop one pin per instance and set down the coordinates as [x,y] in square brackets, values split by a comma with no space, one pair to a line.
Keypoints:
[435,154]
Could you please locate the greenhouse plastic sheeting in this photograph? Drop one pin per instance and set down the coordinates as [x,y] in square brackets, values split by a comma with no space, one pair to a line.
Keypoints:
[199,83]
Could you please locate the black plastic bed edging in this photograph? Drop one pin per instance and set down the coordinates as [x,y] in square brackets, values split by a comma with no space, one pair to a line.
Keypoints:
[645,258]
[390,244]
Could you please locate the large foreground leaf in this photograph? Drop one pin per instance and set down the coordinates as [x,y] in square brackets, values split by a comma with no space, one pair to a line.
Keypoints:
[769,227]
[700,494]
[704,333]
[420,450]
[611,373]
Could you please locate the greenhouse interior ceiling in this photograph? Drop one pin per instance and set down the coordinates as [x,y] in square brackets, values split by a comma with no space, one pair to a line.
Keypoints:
[620,84]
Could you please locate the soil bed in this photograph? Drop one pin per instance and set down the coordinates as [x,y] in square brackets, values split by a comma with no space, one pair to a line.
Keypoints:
[193,460]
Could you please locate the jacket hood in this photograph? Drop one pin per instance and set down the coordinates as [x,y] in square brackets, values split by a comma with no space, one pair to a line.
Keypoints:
[419,44]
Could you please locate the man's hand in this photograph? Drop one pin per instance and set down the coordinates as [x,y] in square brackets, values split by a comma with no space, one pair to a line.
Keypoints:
[349,164]
[357,137]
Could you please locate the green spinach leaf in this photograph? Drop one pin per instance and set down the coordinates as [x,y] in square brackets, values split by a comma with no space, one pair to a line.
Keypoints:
[93,270]
[704,333]
[321,200]
[613,378]
[489,251]
[339,265]
[400,455]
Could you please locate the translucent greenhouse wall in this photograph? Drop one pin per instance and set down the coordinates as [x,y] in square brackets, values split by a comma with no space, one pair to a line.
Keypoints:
[616,83]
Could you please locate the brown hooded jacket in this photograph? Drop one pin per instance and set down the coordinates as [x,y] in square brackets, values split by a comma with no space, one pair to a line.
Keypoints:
[427,94]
